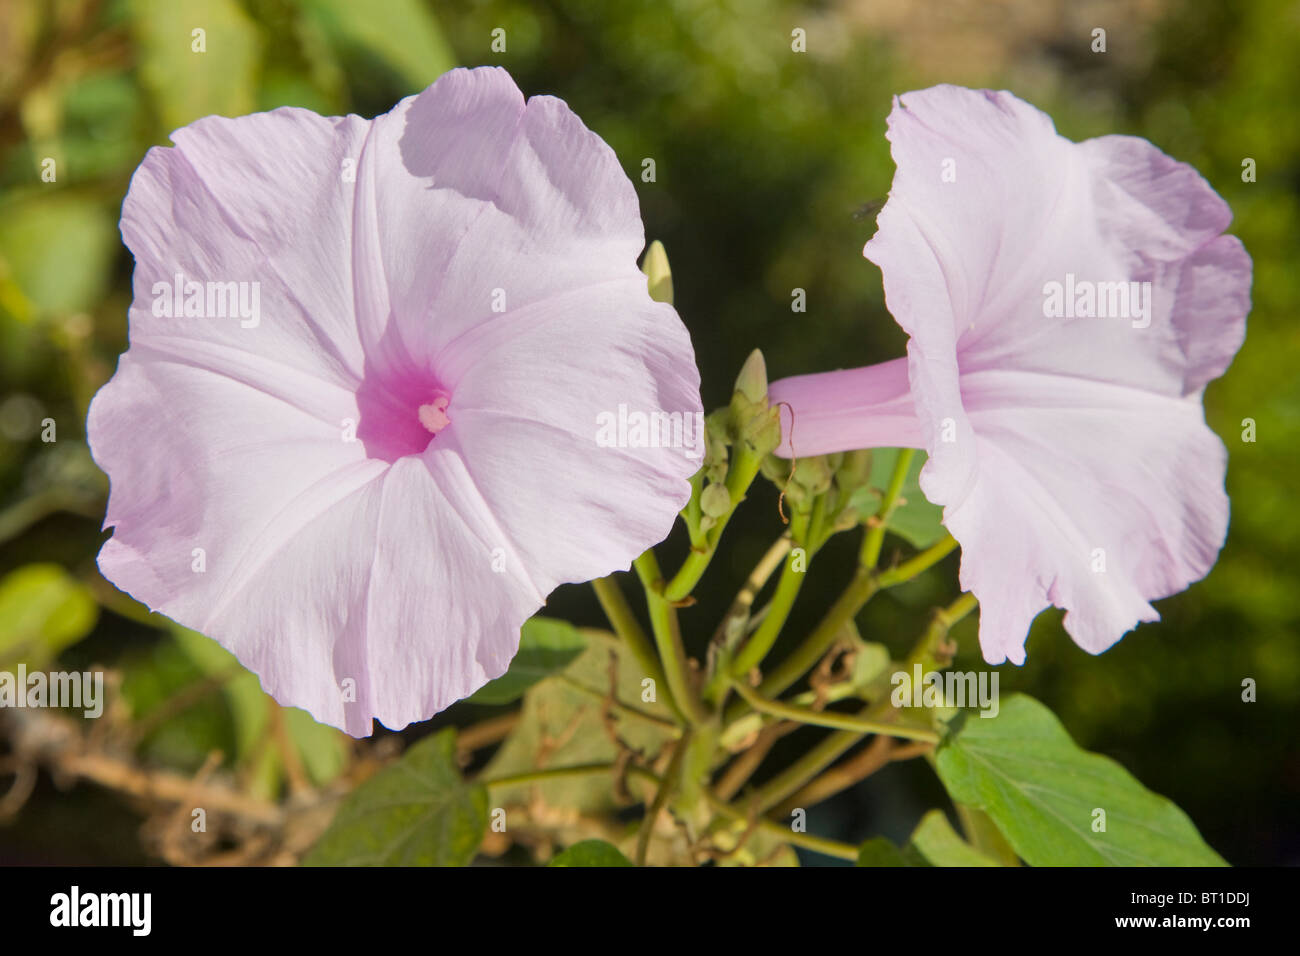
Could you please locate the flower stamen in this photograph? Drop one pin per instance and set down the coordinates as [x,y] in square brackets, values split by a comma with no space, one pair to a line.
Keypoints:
[433,416]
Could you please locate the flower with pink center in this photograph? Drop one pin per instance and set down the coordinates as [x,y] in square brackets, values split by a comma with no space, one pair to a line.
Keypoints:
[354,436]
[1066,305]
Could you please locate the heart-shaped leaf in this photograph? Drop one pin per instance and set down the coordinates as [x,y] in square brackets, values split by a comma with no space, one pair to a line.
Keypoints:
[1057,804]
[417,812]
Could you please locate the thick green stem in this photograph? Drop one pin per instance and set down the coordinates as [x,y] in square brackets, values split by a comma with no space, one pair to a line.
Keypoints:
[864,584]
[924,653]
[805,530]
[813,762]
[629,629]
[778,611]
[662,792]
[668,637]
[832,848]
[691,514]
[902,573]
[836,721]
[833,745]
[809,535]
[807,654]
[739,611]
[737,618]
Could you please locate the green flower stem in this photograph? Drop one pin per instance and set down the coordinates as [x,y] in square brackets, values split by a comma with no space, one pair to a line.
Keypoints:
[924,651]
[629,629]
[761,641]
[552,773]
[668,636]
[663,791]
[860,590]
[738,615]
[806,656]
[836,721]
[812,763]
[811,533]
[832,848]
[875,538]
[618,707]
[913,566]
[744,599]
[744,469]
[692,569]
[830,748]
[692,514]
[752,721]
[820,527]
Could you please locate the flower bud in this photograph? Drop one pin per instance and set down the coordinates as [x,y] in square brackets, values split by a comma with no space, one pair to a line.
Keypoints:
[658,276]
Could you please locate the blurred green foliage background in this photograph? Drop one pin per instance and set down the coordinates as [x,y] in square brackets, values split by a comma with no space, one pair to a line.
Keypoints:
[764,160]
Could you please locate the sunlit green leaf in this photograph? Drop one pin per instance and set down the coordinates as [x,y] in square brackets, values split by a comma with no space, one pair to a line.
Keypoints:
[43,609]
[1044,793]
[936,840]
[186,83]
[324,749]
[56,248]
[401,33]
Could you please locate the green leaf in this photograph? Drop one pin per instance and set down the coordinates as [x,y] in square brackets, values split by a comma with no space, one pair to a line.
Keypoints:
[561,718]
[915,520]
[591,853]
[879,851]
[152,677]
[250,709]
[417,812]
[56,248]
[871,661]
[400,33]
[936,840]
[186,84]
[324,749]
[43,609]
[546,645]
[97,108]
[1024,771]
[235,718]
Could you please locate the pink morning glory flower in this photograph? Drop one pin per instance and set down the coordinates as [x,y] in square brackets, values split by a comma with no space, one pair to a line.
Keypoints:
[354,438]
[1066,305]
